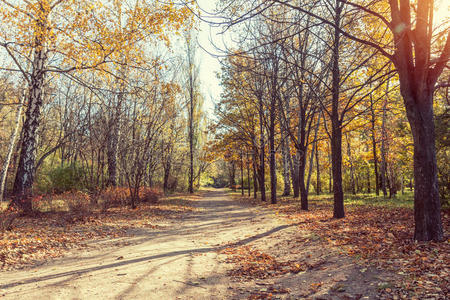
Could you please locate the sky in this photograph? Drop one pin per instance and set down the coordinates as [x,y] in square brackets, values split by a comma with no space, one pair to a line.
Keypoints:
[209,65]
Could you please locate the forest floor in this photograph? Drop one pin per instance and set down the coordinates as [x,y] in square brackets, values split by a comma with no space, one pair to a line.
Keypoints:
[214,247]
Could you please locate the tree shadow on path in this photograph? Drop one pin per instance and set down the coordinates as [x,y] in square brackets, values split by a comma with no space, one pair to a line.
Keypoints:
[121,263]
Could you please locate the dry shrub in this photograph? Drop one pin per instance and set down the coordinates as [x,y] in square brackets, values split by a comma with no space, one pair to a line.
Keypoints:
[46,203]
[73,202]
[150,195]
[120,196]
[78,202]
[114,197]
[7,218]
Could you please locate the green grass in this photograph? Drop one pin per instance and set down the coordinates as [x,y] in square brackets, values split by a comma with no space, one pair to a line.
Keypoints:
[399,201]
[404,201]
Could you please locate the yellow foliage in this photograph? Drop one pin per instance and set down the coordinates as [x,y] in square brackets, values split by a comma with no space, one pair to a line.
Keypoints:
[86,33]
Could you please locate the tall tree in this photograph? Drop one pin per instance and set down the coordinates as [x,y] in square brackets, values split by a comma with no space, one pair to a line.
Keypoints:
[11,145]
[191,70]
[419,55]
[65,37]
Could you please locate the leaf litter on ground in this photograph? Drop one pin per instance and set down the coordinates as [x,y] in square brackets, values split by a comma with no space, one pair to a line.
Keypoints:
[43,236]
[379,236]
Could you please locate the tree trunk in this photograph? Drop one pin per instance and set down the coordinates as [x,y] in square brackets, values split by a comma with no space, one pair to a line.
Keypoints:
[113,145]
[167,168]
[233,175]
[288,168]
[311,159]
[12,142]
[192,99]
[262,155]
[336,157]
[294,173]
[191,146]
[418,76]
[427,205]
[330,168]
[403,185]
[114,129]
[310,169]
[374,147]
[26,169]
[392,182]
[248,176]
[352,171]
[358,183]
[301,154]
[255,176]
[272,162]
[336,134]
[150,176]
[242,175]
[318,187]
[285,163]
[383,149]
[301,181]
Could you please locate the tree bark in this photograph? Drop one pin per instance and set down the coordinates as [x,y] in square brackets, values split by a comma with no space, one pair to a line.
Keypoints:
[9,152]
[403,185]
[286,171]
[248,176]
[272,162]
[242,175]
[191,81]
[191,143]
[374,147]
[113,141]
[285,153]
[301,153]
[167,167]
[336,130]
[255,176]
[301,181]
[262,174]
[23,183]
[330,169]
[352,171]
[295,179]
[427,204]
[318,185]
[233,175]
[311,159]
[336,157]
[383,149]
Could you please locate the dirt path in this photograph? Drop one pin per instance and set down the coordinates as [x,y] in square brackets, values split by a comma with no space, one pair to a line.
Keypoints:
[184,262]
